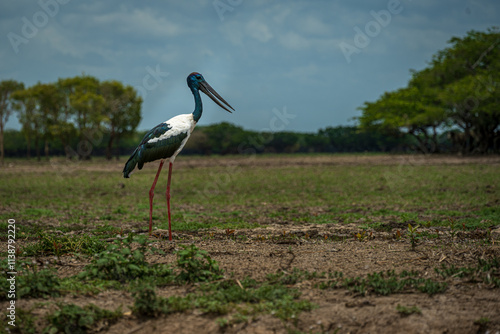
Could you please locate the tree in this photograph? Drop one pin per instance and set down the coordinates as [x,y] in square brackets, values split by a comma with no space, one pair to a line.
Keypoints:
[409,110]
[288,142]
[85,104]
[26,105]
[224,137]
[457,92]
[53,115]
[7,88]
[121,111]
[469,78]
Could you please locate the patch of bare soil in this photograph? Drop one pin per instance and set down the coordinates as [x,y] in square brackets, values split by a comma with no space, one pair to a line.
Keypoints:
[320,248]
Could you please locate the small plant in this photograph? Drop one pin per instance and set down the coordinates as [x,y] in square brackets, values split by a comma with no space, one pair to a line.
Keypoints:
[242,237]
[482,323]
[247,297]
[413,235]
[360,236]
[196,265]
[335,280]
[431,287]
[146,303]
[42,283]
[385,283]
[121,262]
[252,298]
[408,310]
[75,286]
[24,324]
[222,322]
[71,318]
[31,281]
[487,271]
[407,217]
[452,224]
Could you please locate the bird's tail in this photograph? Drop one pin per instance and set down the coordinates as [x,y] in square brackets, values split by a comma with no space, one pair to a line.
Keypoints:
[131,163]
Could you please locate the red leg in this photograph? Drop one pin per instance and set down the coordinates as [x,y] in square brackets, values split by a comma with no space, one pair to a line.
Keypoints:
[151,194]
[168,202]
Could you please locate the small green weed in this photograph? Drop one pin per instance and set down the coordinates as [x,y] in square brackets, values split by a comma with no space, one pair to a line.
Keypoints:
[377,226]
[146,303]
[413,235]
[334,281]
[31,281]
[196,265]
[408,310]
[75,286]
[385,283]
[407,217]
[49,244]
[121,262]
[71,318]
[25,322]
[250,298]
[38,283]
[487,271]
[361,236]
[240,299]
[482,323]
[39,212]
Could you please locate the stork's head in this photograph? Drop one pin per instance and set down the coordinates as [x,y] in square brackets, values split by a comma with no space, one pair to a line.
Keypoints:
[196,81]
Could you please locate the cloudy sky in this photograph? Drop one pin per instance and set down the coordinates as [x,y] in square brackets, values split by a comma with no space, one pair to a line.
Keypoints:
[283,65]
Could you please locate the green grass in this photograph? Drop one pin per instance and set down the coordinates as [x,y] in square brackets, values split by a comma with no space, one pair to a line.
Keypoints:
[58,245]
[237,302]
[365,194]
[71,318]
[486,271]
[408,310]
[385,283]
[90,205]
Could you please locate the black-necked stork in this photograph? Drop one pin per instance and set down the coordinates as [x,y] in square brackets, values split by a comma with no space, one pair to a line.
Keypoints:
[167,139]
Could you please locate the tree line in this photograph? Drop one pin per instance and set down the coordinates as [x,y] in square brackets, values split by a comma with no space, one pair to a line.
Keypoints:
[78,109]
[226,138]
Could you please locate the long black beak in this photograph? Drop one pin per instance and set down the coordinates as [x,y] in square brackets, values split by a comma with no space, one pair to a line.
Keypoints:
[211,93]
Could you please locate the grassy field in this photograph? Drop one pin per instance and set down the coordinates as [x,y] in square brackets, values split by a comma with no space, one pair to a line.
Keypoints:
[292,232]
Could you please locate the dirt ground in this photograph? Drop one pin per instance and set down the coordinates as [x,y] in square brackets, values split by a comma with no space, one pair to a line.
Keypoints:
[339,311]
[261,251]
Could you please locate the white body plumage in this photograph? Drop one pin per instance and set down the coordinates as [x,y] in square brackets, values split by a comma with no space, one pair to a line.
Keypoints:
[179,124]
